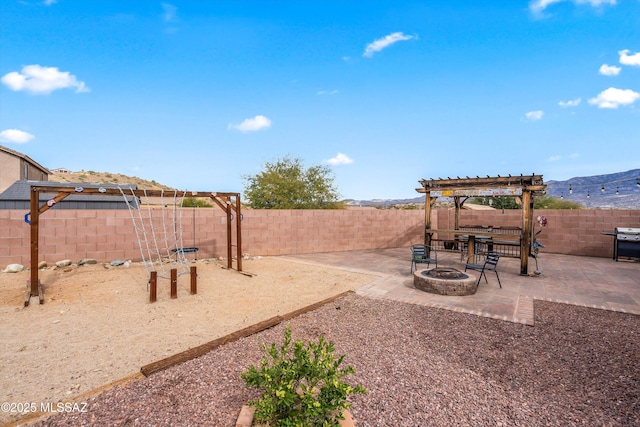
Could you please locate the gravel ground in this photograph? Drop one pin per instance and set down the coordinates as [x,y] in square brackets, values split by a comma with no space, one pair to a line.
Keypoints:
[421,367]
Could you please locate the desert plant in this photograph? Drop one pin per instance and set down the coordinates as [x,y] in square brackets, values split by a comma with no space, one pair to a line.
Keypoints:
[193,202]
[302,384]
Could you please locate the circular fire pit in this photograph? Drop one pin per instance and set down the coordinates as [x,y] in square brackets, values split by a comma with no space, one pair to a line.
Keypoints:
[444,281]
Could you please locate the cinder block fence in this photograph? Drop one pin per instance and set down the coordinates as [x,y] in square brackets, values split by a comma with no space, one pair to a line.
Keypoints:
[109,234]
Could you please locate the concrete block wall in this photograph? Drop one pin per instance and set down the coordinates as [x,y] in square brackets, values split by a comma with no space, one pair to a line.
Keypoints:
[108,235]
[280,232]
[101,234]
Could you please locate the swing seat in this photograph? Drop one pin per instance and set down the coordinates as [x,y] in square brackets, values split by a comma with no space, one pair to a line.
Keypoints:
[185,250]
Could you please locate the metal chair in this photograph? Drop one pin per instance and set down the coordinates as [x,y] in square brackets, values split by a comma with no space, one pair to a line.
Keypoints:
[419,256]
[490,264]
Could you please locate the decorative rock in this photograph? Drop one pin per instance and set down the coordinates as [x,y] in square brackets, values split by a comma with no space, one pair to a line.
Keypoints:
[116,262]
[63,263]
[42,264]
[87,261]
[13,268]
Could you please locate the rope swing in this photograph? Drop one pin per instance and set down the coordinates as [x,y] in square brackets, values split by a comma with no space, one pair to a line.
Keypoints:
[158,229]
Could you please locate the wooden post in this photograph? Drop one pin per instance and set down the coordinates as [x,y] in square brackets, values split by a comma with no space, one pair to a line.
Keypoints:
[34,219]
[153,286]
[427,220]
[229,239]
[239,232]
[174,283]
[525,238]
[471,248]
[456,220]
[194,279]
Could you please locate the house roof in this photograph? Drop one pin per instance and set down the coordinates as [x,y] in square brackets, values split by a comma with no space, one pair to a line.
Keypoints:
[21,191]
[25,157]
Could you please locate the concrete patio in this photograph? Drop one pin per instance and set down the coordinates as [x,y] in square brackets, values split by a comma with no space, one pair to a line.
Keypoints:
[591,282]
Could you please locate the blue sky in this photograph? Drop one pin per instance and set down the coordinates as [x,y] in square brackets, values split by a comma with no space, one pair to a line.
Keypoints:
[198,94]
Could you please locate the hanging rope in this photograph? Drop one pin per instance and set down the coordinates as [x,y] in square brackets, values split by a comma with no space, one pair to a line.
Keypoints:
[159,235]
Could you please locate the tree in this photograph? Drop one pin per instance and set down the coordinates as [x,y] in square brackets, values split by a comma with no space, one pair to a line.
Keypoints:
[288,184]
[496,202]
[193,202]
[550,202]
[544,202]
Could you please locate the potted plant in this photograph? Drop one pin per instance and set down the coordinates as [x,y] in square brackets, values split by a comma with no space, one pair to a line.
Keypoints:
[301,383]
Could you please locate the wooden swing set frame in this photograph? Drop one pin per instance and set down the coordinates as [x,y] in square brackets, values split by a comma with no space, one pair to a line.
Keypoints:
[228,202]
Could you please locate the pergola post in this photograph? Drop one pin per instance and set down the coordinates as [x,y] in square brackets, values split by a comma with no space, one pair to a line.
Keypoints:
[427,220]
[525,241]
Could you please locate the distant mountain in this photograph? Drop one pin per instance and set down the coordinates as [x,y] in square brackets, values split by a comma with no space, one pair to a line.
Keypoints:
[619,190]
[378,203]
[586,190]
[105,178]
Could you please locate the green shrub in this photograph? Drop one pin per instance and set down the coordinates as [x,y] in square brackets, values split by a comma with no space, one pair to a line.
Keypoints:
[302,384]
[550,202]
[193,202]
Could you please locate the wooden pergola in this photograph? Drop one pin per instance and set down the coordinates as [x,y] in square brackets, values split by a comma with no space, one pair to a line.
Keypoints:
[522,188]
[228,202]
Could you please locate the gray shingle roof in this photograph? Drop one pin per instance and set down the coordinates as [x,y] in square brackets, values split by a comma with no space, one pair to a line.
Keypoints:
[18,196]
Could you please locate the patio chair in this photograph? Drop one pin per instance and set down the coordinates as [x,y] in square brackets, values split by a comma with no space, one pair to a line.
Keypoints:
[490,264]
[419,256]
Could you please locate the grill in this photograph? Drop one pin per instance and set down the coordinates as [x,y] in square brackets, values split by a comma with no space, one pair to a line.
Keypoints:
[626,242]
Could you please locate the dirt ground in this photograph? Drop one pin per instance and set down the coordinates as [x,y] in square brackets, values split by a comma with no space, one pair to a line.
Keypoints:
[97,324]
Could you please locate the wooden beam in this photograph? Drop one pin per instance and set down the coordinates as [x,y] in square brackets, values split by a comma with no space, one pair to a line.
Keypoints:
[48,205]
[95,189]
[496,180]
[192,353]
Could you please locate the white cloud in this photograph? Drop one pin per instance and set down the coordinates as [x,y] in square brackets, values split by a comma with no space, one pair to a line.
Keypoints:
[570,103]
[538,6]
[340,159]
[574,155]
[554,158]
[327,92]
[15,136]
[534,115]
[49,2]
[42,80]
[613,98]
[626,59]
[609,70]
[251,125]
[384,42]
[169,14]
